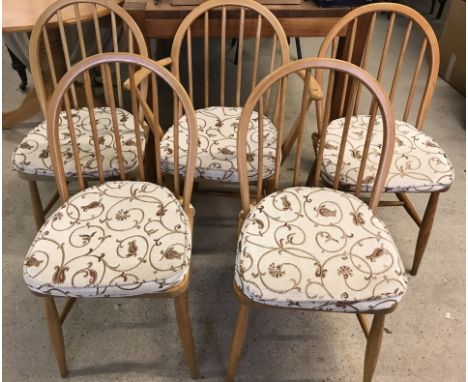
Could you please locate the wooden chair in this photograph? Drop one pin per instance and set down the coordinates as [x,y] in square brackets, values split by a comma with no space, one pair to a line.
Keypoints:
[52,40]
[218,96]
[419,163]
[316,248]
[119,238]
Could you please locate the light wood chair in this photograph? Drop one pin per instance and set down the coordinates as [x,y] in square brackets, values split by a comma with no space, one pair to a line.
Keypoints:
[119,238]
[419,164]
[316,248]
[216,92]
[61,30]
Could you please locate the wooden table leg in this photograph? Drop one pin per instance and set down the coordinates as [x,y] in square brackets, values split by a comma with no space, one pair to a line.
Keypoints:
[29,107]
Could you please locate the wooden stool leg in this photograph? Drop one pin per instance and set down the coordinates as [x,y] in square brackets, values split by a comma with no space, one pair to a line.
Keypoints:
[185,332]
[424,231]
[55,333]
[38,211]
[373,346]
[237,342]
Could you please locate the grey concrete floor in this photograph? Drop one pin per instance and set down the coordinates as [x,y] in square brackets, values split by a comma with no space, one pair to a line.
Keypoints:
[136,340]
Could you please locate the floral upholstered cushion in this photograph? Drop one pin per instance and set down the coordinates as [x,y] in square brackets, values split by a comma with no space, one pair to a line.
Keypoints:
[418,164]
[217,138]
[115,239]
[319,249]
[32,154]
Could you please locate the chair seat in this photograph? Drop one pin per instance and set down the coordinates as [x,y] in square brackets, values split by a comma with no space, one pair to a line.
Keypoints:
[113,240]
[32,154]
[318,249]
[418,164]
[217,152]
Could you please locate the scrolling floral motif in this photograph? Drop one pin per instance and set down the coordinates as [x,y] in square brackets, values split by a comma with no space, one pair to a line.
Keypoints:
[122,246]
[418,164]
[32,155]
[217,139]
[327,251]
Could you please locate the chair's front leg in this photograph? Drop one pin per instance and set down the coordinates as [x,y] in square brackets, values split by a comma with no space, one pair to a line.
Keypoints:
[425,231]
[373,346]
[38,210]
[185,332]
[237,342]
[55,333]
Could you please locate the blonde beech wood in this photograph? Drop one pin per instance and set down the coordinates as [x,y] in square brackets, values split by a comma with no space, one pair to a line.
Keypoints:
[206,52]
[333,65]
[67,308]
[248,11]
[315,94]
[55,333]
[364,324]
[373,335]
[300,130]
[240,55]
[415,19]
[129,59]
[156,127]
[185,332]
[61,13]
[374,342]
[59,97]
[38,211]
[356,76]
[256,50]
[424,231]
[428,50]
[50,58]
[22,15]
[142,74]
[109,90]
[237,342]
[409,207]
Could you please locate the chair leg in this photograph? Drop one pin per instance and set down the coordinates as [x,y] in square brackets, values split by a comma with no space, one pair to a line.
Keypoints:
[298,48]
[55,333]
[424,231]
[373,346]
[237,342]
[38,211]
[185,332]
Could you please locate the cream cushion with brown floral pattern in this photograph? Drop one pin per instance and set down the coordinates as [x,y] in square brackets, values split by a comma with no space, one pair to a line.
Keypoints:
[319,249]
[116,239]
[32,154]
[217,140]
[418,164]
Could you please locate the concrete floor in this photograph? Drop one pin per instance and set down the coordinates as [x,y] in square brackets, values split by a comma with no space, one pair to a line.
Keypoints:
[136,340]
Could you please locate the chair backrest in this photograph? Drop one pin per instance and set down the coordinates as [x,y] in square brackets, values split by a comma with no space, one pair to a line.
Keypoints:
[403,31]
[358,78]
[237,19]
[71,30]
[60,100]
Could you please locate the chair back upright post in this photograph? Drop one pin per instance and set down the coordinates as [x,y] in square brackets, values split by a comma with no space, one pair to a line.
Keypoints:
[387,72]
[52,53]
[357,78]
[219,18]
[131,62]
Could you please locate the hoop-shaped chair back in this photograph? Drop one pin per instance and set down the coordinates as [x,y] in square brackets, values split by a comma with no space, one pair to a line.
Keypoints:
[67,21]
[237,19]
[358,78]
[61,100]
[418,36]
